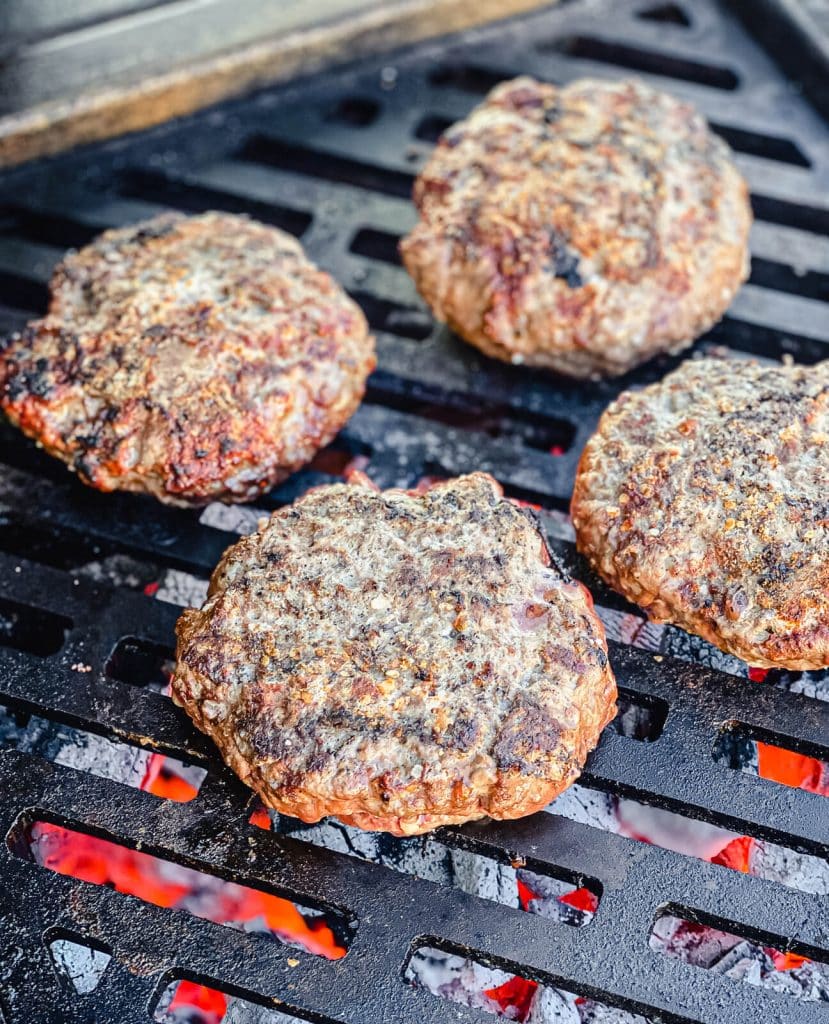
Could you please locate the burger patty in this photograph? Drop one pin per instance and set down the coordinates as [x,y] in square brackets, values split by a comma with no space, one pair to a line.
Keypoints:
[194,358]
[582,229]
[400,660]
[704,499]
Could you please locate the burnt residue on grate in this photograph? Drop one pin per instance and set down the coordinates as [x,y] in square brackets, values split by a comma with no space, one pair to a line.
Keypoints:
[91,586]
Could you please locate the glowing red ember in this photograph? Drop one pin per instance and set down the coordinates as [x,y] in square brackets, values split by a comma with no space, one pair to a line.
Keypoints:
[209,1003]
[515,995]
[165,884]
[582,899]
[792,769]
[161,780]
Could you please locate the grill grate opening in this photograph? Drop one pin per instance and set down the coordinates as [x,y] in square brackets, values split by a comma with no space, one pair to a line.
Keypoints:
[155,187]
[138,767]
[165,883]
[22,293]
[521,883]
[667,14]
[141,663]
[639,59]
[79,961]
[431,127]
[700,837]
[48,229]
[204,1001]
[469,978]
[377,245]
[641,716]
[358,111]
[758,752]
[766,342]
[790,215]
[30,629]
[771,147]
[61,549]
[341,457]
[327,167]
[811,284]
[466,77]
[783,965]
[542,432]
[393,317]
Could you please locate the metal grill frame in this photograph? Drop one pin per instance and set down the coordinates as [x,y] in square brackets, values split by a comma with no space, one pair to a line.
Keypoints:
[294,156]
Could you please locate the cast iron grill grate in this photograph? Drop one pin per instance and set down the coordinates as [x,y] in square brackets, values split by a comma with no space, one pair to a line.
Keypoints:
[332,159]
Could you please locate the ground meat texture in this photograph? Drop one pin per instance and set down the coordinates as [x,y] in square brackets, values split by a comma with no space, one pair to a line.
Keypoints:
[194,358]
[400,660]
[704,499]
[581,229]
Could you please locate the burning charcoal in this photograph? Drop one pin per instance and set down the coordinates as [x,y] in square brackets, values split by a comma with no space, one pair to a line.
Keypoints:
[506,996]
[740,959]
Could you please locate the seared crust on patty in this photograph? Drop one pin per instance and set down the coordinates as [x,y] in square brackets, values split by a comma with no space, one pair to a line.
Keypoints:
[400,660]
[704,499]
[582,229]
[194,358]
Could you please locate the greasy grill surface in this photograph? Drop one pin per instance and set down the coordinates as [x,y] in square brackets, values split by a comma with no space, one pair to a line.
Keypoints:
[333,160]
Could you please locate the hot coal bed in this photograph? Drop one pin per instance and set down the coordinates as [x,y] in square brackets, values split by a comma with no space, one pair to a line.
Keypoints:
[684,879]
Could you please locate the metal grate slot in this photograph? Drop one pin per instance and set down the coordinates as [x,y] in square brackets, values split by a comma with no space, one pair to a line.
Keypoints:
[315,164]
[639,59]
[667,14]
[30,629]
[146,185]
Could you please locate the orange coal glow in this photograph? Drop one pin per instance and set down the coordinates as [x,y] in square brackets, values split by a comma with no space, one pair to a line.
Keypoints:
[736,854]
[792,769]
[164,884]
[210,1004]
[260,818]
[162,781]
[515,996]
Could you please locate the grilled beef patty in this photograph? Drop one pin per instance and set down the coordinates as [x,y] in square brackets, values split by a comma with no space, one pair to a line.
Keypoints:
[704,499]
[194,358]
[582,229]
[400,660]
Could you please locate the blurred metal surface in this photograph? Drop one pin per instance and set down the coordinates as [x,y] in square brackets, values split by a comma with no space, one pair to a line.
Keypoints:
[74,73]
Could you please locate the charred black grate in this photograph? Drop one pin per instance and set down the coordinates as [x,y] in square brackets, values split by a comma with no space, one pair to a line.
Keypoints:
[91,585]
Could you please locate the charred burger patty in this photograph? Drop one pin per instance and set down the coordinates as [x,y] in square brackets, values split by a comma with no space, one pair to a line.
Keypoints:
[194,358]
[399,660]
[704,499]
[582,229]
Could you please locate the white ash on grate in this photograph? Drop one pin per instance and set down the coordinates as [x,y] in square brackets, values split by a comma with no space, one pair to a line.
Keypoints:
[120,570]
[241,519]
[181,588]
[79,965]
